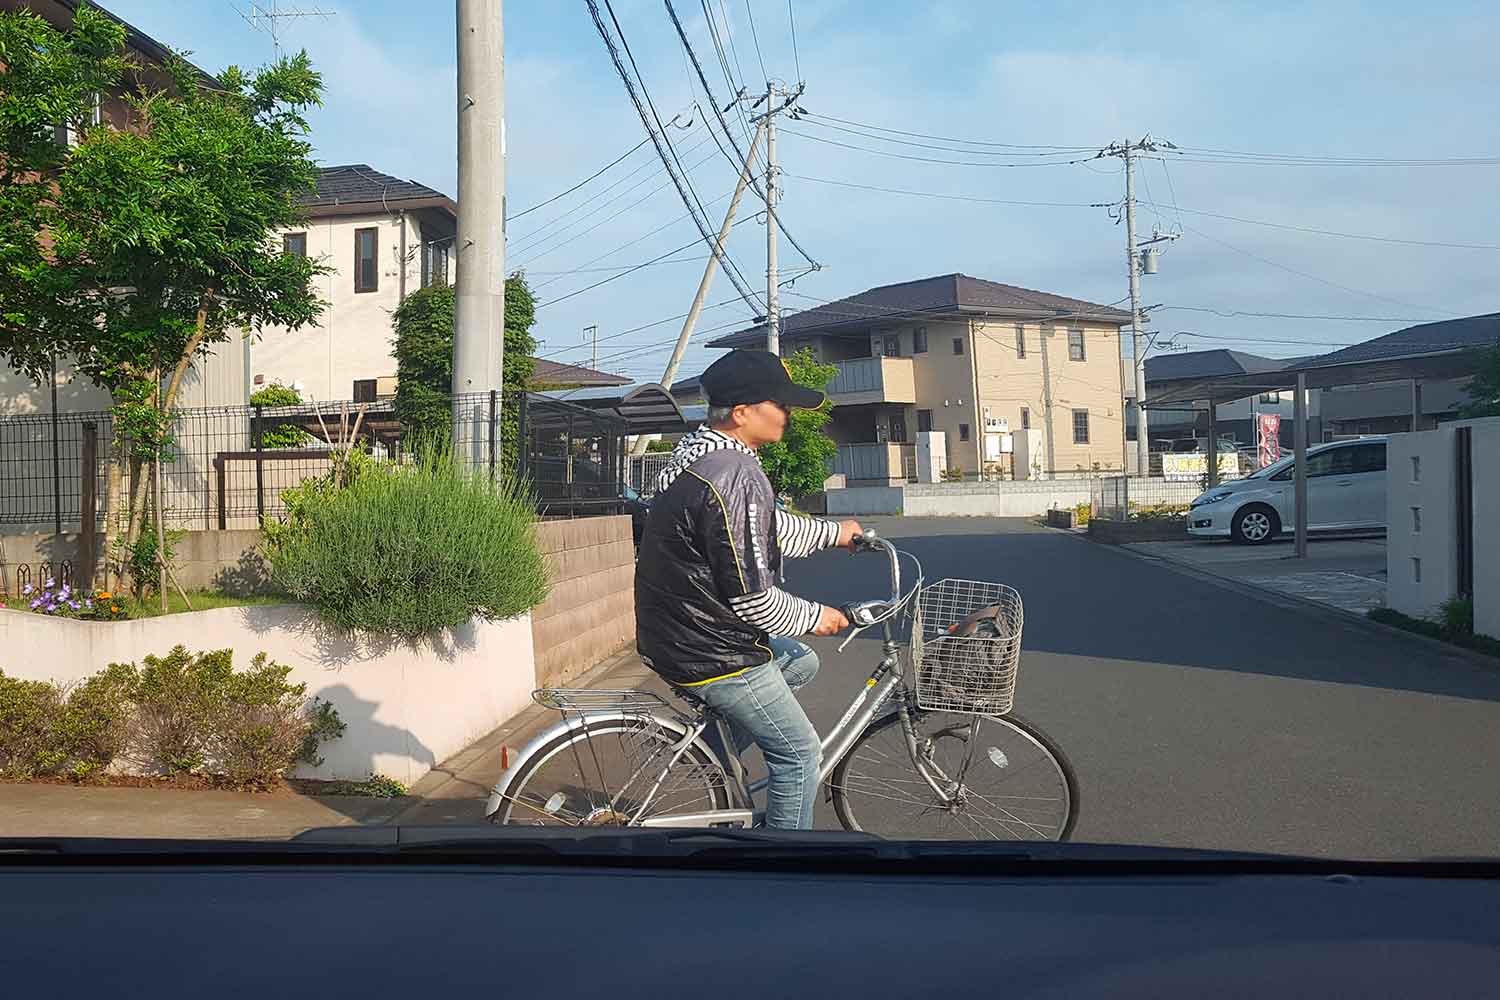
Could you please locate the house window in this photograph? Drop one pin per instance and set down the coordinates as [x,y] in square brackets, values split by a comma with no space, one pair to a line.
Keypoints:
[898,428]
[1025,418]
[365,390]
[963,432]
[924,421]
[1075,346]
[366,260]
[435,264]
[893,345]
[958,345]
[919,340]
[67,134]
[294,244]
[1080,426]
[1020,341]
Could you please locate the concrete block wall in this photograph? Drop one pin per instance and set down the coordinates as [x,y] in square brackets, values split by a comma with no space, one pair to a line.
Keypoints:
[203,560]
[589,613]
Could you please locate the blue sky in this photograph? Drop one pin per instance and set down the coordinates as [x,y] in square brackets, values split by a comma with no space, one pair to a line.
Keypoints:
[1368,80]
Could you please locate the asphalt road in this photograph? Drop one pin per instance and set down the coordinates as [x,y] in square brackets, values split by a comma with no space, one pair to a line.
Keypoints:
[1197,715]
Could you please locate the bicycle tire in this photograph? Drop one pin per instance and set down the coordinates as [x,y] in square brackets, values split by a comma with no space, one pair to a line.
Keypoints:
[591,746]
[845,789]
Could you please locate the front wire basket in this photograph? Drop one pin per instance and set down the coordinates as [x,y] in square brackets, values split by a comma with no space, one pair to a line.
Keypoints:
[966,646]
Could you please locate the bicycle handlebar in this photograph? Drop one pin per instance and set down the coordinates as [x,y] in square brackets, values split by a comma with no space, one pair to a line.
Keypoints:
[869,541]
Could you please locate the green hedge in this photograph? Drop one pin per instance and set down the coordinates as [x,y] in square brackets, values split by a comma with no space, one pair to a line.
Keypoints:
[407,550]
[183,713]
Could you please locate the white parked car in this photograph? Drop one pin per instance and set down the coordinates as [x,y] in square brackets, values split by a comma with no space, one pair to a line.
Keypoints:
[1345,492]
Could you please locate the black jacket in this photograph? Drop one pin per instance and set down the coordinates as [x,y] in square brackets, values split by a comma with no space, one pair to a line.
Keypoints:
[711,545]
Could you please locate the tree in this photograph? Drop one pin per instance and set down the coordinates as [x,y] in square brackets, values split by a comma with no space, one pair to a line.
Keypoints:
[424,363]
[286,435]
[1484,388]
[153,243]
[798,464]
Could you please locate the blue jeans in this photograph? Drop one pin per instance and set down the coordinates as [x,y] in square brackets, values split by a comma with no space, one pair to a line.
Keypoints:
[761,709]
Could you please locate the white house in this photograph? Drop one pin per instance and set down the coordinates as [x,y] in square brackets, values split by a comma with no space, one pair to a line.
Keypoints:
[380,238]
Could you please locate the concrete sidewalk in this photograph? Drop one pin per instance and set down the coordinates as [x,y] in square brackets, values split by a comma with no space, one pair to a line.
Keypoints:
[1343,573]
[453,792]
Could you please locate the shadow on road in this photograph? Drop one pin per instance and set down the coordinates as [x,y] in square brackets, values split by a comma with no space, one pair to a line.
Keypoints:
[1091,600]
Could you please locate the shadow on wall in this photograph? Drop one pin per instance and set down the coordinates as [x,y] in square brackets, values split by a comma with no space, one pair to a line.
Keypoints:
[357,754]
[249,576]
[332,648]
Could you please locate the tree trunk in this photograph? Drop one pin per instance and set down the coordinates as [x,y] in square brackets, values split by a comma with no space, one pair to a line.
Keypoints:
[194,342]
[116,517]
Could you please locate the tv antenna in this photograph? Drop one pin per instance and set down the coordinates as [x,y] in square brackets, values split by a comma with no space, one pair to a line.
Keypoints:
[267,16]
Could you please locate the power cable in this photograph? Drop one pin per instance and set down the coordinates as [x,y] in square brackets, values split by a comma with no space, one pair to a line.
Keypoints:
[730,270]
[812,120]
[791,18]
[743,158]
[932,159]
[957,197]
[944,138]
[750,16]
[581,183]
[1232,313]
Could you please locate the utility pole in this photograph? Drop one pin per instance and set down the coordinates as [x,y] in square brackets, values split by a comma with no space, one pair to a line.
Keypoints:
[787,98]
[479,282]
[594,330]
[1046,331]
[710,268]
[1127,151]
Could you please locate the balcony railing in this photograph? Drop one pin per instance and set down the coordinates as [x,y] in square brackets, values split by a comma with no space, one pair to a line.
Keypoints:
[876,463]
[873,380]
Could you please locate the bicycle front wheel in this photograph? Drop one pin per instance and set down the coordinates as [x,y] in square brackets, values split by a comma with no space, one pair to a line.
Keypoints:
[1003,780]
[604,772]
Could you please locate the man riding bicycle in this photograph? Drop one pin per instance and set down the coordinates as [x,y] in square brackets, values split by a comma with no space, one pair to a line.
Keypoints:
[710,616]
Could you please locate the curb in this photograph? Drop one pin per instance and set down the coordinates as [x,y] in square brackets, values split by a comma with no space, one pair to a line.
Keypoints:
[1304,604]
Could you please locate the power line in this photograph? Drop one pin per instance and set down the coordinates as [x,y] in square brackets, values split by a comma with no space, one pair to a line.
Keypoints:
[1342,235]
[931,159]
[944,138]
[730,270]
[581,183]
[1310,277]
[956,197]
[1231,313]
[1206,154]
[812,120]
[743,158]
[750,16]
[796,58]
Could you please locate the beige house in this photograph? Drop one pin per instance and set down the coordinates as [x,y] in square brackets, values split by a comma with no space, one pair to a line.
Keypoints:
[380,238]
[976,360]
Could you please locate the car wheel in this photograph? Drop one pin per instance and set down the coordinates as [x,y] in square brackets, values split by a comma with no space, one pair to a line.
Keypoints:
[1255,525]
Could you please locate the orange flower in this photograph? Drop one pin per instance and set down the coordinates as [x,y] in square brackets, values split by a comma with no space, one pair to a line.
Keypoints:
[105,595]
[114,609]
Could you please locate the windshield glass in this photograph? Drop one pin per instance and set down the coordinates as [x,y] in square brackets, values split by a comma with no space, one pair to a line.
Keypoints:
[374,410]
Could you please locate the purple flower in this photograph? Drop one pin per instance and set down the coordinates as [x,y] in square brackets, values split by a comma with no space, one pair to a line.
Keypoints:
[88,603]
[66,592]
[36,604]
[26,590]
[51,583]
[74,605]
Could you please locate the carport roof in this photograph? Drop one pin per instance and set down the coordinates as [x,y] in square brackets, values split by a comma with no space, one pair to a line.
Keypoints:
[1445,349]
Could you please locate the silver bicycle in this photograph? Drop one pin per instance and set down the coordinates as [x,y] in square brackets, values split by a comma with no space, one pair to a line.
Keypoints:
[928,748]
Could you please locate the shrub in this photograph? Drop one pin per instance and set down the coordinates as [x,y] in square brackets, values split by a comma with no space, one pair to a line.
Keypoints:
[95,722]
[798,464]
[175,697]
[408,550]
[1081,514]
[29,716]
[139,558]
[1456,616]
[287,435]
[262,725]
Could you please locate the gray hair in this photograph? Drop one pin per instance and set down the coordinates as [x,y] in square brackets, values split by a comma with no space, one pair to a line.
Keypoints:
[720,415]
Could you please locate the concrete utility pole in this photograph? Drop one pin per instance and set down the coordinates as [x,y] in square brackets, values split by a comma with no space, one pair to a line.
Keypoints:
[593,330]
[710,268]
[479,284]
[773,296]
[777,99]
[1299,477]
[1046,329]
[1137,341]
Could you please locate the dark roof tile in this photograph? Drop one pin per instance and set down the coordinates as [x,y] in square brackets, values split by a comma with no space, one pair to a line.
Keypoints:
[359,184]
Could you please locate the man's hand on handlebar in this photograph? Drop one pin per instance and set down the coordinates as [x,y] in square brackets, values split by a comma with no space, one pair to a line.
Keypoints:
[831,621]
[848,532]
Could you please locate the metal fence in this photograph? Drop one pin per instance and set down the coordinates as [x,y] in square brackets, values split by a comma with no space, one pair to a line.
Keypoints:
[1115,498]
[646,469]
[228,466]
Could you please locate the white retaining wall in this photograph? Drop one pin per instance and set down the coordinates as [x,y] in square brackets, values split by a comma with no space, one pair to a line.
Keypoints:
[1010,498]
[407,705]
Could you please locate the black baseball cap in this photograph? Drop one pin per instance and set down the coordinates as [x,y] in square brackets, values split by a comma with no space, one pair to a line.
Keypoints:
[754,377]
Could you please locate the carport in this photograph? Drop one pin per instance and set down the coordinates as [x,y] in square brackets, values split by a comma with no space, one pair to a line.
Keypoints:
[1445,349]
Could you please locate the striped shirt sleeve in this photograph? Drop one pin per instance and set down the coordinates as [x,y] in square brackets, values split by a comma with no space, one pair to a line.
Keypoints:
[777,612]
[799,536]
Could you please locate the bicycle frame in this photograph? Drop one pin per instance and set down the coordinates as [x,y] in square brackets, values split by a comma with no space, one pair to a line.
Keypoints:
[886,678]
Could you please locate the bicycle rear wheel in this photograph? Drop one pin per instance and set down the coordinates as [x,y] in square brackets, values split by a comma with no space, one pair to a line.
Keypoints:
[600,773]
[1006,781]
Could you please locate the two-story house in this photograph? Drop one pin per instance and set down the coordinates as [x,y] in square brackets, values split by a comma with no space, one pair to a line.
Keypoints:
[976,360]
[380,238]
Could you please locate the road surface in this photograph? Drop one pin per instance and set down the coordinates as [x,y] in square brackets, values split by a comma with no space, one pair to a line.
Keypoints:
[1199,716]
